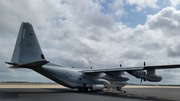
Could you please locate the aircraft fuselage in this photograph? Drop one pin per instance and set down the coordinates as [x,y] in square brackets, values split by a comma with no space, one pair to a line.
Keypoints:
[69,77]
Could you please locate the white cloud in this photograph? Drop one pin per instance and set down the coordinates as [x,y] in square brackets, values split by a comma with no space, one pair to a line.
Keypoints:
[143,4]
[117,8]
[174,3]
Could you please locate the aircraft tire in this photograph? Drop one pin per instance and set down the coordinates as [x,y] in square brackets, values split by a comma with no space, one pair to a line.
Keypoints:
[85,89]
[80,89]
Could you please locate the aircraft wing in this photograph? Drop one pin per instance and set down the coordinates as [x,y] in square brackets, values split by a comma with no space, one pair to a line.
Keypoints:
[130,68]
[111,69]
[162,66]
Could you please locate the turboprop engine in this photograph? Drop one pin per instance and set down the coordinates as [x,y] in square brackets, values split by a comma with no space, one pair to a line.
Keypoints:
[149,76]
[115,76]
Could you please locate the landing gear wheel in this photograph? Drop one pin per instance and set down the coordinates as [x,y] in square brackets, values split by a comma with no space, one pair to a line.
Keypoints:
[80,89]
[124,91]
[98,90]
[85,89]
[119,89]
[92,90]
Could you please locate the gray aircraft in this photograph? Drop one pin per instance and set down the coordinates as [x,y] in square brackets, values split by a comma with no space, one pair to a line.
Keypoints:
[28,54]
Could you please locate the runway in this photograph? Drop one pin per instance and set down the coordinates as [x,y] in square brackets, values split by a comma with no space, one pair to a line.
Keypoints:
[135,93]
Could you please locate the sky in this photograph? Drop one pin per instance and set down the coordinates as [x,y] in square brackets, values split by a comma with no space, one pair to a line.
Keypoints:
[94,33]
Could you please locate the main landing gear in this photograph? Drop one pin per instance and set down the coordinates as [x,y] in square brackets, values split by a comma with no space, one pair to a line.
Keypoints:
[83,89]
[115,90]
[120,89]
[86,90]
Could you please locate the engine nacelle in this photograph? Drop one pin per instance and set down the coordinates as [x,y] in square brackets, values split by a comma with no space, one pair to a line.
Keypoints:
[136,73]
[115,78]
[152,76]
[97,87]
[149,76]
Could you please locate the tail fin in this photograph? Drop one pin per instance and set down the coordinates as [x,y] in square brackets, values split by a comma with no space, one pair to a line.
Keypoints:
[27,48]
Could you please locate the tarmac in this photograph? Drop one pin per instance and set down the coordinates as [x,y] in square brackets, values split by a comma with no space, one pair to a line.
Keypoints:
[55,92]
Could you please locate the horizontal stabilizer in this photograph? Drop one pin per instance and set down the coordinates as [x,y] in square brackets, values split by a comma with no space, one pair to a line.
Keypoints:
[28,65]
[11,63]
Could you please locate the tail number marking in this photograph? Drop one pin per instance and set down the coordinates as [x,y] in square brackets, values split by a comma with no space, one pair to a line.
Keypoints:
[30,45]
[28,54]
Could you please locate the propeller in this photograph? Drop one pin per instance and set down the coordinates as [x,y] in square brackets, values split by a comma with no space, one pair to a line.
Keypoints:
[144,63]
[143,80]
[120,65]
[144,73]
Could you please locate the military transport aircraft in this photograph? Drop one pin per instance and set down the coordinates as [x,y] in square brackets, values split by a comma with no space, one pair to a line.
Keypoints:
[28,54]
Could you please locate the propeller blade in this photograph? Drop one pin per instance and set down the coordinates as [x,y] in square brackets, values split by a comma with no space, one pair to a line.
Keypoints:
[141,81]
[123,73]
[144,63]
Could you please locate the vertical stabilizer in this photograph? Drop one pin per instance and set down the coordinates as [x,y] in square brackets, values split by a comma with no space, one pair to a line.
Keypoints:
[27,48]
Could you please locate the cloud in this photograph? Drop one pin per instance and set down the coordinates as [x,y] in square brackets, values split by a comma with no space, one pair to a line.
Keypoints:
[143,4]
[117,9]
[167,20]
[132,55]
[174,3]
[174,50]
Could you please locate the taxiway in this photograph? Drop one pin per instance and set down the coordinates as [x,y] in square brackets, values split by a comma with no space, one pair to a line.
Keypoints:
[60,93]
